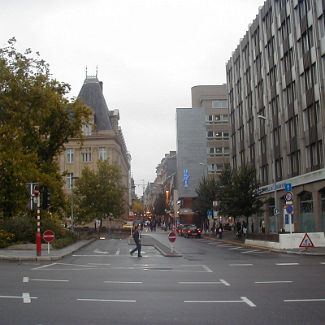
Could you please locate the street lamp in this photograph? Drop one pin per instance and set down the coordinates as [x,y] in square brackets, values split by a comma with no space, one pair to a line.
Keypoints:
[276,211]
[72,217]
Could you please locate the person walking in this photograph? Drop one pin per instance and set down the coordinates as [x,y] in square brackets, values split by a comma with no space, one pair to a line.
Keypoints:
[137,239]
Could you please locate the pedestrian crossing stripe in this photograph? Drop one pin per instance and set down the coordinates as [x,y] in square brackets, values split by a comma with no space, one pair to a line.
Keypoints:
[306,242]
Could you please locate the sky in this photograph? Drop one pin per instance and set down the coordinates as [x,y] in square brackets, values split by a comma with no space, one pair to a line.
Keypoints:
[149,54]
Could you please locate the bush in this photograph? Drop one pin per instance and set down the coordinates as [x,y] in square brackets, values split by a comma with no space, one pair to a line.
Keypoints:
[63,242]
[6,238]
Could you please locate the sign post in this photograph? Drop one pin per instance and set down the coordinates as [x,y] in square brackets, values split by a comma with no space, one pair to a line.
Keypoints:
[172,239]
[48,236]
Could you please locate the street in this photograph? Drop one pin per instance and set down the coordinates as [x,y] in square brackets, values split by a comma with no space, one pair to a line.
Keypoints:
[211,283]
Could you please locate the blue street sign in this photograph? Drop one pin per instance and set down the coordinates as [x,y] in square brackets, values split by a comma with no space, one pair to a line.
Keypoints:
[288,187]
[289,208]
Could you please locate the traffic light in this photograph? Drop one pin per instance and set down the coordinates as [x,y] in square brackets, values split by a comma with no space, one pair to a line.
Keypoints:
[45,198]
[36,190]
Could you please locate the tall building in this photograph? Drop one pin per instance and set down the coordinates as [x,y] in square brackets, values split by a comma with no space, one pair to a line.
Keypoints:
[213,99]
[103,140]
[275,81]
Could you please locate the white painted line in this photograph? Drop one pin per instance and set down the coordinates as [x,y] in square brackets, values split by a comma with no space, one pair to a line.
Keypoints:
[100,252]
[199,282]
[271,282]
[323,263]
[251,251]
[247,301]
[207,268]
[124,282]
[244,264]
[26,298]
[286,264]
[49,280]
[117,252]
[25,279]
[106,300]
[243,299]
[304,300]
[232,249]
[43,266]
[99,264]
[225,283]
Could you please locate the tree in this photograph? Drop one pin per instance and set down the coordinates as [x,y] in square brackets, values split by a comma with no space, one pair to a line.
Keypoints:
[99,194]
[207,193]
[160,205]
[238,192]
[36,119]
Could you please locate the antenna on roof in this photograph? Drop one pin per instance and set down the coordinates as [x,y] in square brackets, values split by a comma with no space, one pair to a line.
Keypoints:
[96,71]
[86,72]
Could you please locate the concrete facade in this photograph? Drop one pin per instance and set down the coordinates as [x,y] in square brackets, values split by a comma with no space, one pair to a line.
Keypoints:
[275,81]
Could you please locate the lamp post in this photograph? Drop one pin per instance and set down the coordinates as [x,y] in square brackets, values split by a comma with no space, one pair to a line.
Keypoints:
[73,178]
[276,210]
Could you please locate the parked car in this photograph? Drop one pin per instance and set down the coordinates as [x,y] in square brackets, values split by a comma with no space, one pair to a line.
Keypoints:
[192,231]
[179,228]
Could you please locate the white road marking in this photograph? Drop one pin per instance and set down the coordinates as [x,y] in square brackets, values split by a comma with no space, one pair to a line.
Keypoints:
[251,251]
[207,268]
[286,264]
[43,266]
[304,300]
[25,296]
[117,252]
[98,264]
[225,283]
[232,249]
[323,263]
[25,279]
[244,264]
[49,280]
[243,299]
[106,300]
[124,282]
[100,252]
[271,282]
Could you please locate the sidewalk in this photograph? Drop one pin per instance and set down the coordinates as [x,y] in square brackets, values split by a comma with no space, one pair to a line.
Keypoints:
[28,252]
[230,238]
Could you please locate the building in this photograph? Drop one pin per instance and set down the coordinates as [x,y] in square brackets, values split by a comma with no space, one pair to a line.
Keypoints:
[103,140]
[275,81]
[213,99]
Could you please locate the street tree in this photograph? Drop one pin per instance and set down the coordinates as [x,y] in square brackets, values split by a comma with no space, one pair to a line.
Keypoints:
[239,192]
[99,194]
[160,205]
[207,192]
[36,119]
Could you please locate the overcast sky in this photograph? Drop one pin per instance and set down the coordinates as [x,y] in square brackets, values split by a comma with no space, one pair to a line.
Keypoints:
[149,54]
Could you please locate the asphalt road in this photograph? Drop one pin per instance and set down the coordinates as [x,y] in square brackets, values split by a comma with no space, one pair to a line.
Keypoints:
[212,283]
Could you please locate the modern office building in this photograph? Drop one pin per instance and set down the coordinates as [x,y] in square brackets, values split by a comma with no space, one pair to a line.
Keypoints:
[275,81]
[103,140]
[213,99]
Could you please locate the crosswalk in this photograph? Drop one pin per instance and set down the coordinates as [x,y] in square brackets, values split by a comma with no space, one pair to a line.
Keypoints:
[232,247]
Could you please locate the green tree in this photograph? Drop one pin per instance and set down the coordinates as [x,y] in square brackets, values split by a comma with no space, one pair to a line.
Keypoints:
[160,205]
[238,192]
[36,119]
[207,191]
[99,194]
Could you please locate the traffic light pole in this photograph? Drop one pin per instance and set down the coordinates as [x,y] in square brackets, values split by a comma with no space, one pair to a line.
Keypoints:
[38,233]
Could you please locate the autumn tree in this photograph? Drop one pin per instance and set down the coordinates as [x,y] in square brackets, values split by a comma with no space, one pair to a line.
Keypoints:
[99,194]
[36,119]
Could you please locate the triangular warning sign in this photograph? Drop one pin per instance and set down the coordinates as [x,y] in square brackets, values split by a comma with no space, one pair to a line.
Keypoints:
[306,242]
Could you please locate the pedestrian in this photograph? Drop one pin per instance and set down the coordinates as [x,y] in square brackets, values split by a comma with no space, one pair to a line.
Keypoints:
[220,230]
[137,239]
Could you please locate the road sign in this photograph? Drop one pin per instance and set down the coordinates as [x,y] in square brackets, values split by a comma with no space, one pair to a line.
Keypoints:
[289,196]
[276,211]
[306,242]
[288,187]
[289,208]
[48,236]
[172,236]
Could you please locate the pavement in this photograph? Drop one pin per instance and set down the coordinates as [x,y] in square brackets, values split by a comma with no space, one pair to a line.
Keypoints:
[158,239]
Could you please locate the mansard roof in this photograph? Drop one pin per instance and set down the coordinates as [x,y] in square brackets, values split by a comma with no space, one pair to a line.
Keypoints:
[91,94]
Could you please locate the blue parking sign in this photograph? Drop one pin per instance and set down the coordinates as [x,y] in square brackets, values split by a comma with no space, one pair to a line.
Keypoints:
[288,187]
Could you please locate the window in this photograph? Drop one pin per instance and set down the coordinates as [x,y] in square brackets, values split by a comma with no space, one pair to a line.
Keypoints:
[69,180]
[210,134]
[225,135]
[86,155]
[210,118]
[220,103]
[218,135]
[69,153]
[86,129]
[102,153]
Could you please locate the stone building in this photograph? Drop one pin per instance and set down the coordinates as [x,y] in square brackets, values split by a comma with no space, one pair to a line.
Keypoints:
[275,81]
[103,140]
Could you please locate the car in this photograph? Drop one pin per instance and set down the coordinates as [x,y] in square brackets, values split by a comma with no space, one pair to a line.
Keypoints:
[179,228]
[184,229]
[192,231]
